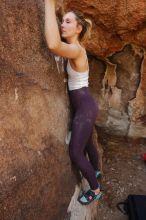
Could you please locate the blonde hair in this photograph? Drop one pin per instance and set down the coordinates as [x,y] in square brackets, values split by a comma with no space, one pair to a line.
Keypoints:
[86,26]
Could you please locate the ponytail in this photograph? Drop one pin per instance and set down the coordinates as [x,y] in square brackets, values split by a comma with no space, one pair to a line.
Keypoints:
[87,34]
[86,26]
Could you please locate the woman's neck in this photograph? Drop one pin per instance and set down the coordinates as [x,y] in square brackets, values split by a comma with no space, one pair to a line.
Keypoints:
[72,40]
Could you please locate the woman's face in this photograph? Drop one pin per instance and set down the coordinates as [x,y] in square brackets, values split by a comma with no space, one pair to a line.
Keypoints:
[70,26]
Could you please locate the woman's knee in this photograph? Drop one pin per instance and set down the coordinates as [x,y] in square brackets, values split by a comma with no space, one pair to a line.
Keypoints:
[74,154]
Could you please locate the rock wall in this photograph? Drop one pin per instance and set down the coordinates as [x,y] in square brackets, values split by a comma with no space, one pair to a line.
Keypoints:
[34,111]
[34,117]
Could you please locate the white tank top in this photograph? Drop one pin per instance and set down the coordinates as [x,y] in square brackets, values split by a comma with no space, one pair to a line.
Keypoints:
[76,80]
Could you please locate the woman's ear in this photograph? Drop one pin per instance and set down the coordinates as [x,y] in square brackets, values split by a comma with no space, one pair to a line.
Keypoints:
[79,28]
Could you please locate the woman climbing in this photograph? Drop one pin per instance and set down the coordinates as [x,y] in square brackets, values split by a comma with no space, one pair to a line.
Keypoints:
[74,30]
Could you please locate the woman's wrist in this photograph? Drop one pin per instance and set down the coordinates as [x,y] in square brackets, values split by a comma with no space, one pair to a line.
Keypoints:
[50,2]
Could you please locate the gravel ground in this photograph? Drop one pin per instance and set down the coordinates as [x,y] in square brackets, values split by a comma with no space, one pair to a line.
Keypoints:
[124,173]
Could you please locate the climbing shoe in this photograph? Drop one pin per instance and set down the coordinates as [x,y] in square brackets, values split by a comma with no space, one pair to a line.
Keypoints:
[88,197]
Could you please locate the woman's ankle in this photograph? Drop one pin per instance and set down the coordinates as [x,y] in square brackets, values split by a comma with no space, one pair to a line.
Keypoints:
[96,191]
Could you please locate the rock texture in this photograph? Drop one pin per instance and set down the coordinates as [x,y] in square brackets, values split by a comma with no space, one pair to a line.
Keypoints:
[34,116]
[36,179]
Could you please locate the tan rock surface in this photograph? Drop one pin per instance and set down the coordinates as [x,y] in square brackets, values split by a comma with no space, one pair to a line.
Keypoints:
[36,181]
[34,113]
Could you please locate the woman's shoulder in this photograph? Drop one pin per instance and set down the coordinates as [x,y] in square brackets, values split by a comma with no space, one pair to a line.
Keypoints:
[80,64]
[79,46]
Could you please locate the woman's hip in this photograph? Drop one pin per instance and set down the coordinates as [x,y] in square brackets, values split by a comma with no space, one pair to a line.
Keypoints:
[81,99]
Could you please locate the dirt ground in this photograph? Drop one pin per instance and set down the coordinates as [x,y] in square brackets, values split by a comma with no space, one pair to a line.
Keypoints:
[124,174]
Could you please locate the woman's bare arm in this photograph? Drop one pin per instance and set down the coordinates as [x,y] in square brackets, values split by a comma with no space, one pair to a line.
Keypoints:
[52,34]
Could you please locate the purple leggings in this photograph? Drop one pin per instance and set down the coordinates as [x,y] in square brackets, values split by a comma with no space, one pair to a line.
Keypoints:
[84,115]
